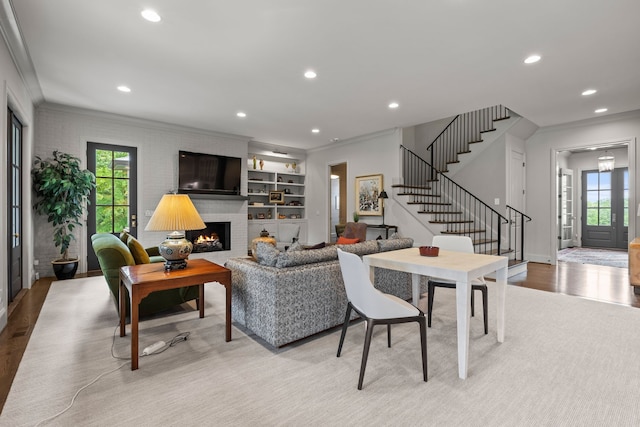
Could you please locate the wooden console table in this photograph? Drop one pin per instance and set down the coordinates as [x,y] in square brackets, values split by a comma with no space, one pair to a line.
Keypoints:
[140,280]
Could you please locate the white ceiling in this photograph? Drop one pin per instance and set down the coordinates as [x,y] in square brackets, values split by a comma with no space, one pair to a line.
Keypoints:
[206,60]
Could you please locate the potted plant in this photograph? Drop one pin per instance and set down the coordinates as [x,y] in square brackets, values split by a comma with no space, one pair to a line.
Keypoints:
[61,193]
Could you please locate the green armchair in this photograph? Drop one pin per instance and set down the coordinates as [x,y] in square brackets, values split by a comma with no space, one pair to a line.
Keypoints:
[113,253]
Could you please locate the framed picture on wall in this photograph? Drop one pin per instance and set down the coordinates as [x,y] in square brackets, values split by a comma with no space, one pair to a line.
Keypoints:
[368,189]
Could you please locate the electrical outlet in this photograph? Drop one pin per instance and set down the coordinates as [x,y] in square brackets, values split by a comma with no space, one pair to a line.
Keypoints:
[496,201]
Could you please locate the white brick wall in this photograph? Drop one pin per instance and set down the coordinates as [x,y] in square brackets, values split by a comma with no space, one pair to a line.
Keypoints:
[69,130]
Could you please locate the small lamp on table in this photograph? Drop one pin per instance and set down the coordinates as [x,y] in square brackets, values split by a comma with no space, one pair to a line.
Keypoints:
[175,213]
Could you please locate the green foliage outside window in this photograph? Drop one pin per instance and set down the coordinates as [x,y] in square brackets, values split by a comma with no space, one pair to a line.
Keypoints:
[112,191]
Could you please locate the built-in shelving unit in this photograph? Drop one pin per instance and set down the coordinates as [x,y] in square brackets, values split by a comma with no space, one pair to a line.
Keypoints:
[261,184]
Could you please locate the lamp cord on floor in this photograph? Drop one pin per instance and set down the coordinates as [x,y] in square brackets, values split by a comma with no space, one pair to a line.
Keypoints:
[175,340]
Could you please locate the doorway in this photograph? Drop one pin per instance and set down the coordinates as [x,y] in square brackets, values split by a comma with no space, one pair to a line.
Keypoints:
[605,208]
[113,204]
[584,158]
[14,203]
[337,198]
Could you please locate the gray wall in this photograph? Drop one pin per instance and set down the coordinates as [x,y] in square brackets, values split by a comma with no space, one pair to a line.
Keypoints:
[541,167]
[70,129]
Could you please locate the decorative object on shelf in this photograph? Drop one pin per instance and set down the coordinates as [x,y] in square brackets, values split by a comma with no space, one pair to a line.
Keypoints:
[382,196]
[356,217]
[175,212]
[254,161]
[250,216]
[293,165]
[261,216]
[368,195]
[269,214]
[290,181]
[264,237]
[61,191]
[287,191]
[282,216]
[279,179]
[276,197]
[606,162]
[286,166]
[261,164]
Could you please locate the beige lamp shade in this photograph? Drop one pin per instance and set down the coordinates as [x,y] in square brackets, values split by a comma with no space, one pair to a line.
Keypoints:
[175,212]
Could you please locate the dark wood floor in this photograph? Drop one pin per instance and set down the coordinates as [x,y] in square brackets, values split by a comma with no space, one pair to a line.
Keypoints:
[608,284]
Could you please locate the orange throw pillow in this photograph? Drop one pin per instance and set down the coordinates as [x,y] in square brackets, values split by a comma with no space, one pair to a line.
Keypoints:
[347,241]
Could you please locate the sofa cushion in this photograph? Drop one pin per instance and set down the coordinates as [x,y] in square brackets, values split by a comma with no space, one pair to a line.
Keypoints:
[395,244]
[139,254]
[266,254]
[291,259]
[363,248]
[124,236]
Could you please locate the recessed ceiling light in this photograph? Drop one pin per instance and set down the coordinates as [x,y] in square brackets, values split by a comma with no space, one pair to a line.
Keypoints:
[150,15]
[394,105]
[241,114]
[310,74]
[601,110]
[589,92]
[315,130]
[125,89]
[532,59]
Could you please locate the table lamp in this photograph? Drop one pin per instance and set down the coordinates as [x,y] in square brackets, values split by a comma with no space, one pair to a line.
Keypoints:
[175,213]
[383,195]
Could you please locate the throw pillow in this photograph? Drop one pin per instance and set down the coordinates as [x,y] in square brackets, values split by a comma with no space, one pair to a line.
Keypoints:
[266,254]
[124,236]
[395,235]
[316,246]
[291,259]
[395,244]
[295,246]
[346,241]
[140,256]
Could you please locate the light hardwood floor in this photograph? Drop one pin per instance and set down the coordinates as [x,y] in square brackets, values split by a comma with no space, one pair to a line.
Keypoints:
[607,284]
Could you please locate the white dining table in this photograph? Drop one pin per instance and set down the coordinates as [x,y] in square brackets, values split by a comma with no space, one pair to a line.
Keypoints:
[459,267]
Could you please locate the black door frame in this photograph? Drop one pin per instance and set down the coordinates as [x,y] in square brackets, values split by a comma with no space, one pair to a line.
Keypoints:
[92,260]
[14,203]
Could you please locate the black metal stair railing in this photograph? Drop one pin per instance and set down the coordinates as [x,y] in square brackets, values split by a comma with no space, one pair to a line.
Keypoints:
[517,220]
[449,204]
[463,130]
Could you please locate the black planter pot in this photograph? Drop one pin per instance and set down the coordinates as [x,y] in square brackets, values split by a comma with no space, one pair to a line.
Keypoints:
[65,269]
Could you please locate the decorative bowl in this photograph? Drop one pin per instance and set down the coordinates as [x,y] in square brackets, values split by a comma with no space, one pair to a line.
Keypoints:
[429,250]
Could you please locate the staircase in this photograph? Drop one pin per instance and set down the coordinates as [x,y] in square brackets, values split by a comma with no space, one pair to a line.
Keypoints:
[446,207]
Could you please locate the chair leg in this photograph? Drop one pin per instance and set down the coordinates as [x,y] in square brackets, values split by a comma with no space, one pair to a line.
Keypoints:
[423,345]
[430,289]
[473,303]
[389,335]
[485,310]
[344,328]
[365,351]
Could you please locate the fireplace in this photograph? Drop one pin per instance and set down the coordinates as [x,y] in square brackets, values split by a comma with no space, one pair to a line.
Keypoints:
[216,237]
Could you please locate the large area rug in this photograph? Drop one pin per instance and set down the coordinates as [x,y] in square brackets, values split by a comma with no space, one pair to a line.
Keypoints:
[607,257]
[565,361]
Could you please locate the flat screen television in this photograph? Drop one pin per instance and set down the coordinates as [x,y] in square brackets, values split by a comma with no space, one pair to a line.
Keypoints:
[208,173]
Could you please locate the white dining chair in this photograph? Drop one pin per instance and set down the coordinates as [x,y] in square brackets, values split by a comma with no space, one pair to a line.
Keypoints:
[375,308]
[457,244]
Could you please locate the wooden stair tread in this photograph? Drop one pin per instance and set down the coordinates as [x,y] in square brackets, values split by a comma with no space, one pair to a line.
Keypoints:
[463,231]
[461,221]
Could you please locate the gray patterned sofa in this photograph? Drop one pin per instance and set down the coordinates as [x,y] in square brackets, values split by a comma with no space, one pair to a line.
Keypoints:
[285,296]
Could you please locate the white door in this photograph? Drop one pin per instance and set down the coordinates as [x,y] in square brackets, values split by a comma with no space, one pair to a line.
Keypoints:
[566,216]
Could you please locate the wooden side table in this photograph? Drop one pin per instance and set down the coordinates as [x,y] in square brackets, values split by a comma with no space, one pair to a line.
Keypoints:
[140,280]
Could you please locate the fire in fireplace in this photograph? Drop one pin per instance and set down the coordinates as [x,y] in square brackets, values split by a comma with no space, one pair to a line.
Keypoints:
[216,237]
